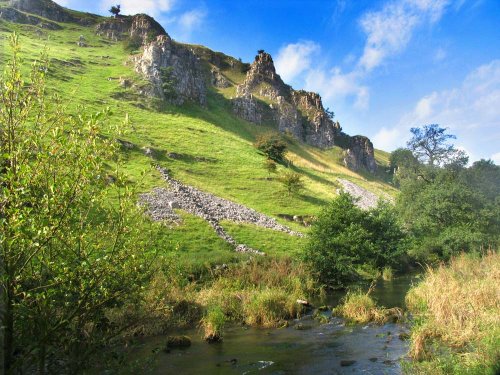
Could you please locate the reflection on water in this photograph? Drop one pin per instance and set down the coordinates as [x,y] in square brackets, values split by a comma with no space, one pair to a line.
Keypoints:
[331,348]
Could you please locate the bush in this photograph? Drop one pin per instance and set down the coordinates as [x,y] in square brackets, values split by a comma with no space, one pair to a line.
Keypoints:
[72,244]
[345,237]
[272,145]
[270,166]
[292,182]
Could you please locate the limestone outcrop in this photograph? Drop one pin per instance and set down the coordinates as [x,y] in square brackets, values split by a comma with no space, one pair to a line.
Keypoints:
[185,72]
[140,27]
[299,113]
[360,154]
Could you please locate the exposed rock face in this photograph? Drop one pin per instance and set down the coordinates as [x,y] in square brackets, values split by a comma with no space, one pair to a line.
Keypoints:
[218,79]
[299,113]
[360,154]
[14,15]
[140,27]
[186,71]
[248,108]
[44,8]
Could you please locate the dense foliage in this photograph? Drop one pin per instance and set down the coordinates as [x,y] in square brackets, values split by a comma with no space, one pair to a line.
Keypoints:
[69,240]
[450,207]
[345,236]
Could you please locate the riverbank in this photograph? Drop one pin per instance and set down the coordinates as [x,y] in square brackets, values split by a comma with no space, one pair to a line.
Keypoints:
[456,312]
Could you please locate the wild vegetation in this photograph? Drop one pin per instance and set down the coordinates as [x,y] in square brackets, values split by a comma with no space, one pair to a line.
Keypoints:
[456,310]
[84,268]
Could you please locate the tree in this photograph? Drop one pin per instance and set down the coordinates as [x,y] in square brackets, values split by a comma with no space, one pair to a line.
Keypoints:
[115,10]
[292,182]
[345,237]
[68,252]
[429,145]
[270,166]
[330,114]
[272,145]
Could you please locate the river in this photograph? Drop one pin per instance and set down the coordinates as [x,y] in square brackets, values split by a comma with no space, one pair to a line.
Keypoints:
[317,348]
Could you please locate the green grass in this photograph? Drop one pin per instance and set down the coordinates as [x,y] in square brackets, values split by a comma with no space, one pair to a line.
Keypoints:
[216,147]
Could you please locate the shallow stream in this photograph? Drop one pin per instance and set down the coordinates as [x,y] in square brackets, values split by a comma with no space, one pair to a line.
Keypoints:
[317,348]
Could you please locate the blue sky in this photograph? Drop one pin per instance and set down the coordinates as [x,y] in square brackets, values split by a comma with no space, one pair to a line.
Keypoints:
[382,66]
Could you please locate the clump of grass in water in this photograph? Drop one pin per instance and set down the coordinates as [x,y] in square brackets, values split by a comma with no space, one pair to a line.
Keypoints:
[213,324]
[261,292]
[387,274]
[457,311]
[360,307]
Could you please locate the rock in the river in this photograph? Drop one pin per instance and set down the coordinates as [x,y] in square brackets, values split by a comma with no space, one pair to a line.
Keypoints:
[178,342]
[347,362]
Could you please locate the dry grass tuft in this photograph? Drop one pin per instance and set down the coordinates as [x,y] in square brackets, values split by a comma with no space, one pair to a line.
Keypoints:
[361,308]
[458,307]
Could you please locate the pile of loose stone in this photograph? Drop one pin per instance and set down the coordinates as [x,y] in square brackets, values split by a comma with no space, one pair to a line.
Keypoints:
[366,199]
[160,205]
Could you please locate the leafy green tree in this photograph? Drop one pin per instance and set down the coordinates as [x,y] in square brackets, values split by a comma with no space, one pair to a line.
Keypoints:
[70,243]
[292,182]
[446,216]
[429,144]
[345,237]
[272,145]
[115,10]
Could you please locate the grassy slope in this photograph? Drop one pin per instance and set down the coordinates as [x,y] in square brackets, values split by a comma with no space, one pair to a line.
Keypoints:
[216,147]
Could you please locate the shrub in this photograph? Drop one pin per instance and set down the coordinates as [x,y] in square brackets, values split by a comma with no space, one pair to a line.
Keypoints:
[292,182]
[345,237]
[270,166]
[272,145]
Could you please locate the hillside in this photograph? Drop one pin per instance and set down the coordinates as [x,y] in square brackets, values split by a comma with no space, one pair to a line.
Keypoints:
[199,136]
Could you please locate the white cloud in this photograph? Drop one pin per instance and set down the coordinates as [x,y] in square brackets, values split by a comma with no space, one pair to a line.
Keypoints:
[390,138]
[440,54]
[389,30]
[337,85]
[294,59]
[192,19]
[151,7]
[471,111]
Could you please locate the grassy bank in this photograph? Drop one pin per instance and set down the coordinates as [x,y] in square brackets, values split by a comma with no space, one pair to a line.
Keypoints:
[457,318]
[259,291]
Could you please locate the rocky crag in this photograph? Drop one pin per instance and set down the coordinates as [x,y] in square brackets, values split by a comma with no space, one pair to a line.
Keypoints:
[360,154]
[178,73]
[264,96]
[162,59]
[160,205]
